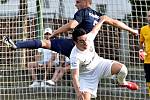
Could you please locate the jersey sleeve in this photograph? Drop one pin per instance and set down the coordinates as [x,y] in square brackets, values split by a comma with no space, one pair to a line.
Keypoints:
[141,35]
[74,63]
[91,36]
[78,16]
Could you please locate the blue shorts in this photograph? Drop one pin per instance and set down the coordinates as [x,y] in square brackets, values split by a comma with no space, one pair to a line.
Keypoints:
[62,46]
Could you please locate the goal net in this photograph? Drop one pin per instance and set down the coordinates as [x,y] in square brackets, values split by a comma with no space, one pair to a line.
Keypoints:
[27,19]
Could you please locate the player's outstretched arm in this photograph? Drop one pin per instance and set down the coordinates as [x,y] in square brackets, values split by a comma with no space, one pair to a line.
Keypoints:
[67,27]
[98,25]
[120,24]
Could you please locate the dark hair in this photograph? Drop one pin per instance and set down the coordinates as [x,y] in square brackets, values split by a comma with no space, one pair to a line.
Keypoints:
[77,32]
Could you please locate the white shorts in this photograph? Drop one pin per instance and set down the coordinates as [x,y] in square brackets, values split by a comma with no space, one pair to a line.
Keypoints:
[89,81]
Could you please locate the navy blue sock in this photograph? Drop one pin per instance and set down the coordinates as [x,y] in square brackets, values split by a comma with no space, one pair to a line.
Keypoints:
[30,44]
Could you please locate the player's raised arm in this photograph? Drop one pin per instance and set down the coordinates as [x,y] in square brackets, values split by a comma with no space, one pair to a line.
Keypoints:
[98,25]
[120,24]
[67,27]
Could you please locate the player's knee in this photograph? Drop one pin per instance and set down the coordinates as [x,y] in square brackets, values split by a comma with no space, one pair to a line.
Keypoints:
[123,71]
[46,44]
[122,74]
[124,68]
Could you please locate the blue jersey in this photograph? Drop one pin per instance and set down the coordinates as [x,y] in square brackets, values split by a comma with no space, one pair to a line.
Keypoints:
[87,18]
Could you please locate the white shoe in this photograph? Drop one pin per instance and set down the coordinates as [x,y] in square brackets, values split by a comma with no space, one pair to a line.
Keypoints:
[43,84]
[9,42]
[51,82]
[35,84]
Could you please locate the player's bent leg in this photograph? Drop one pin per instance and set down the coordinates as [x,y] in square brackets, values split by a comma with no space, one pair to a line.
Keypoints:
[62,46]
[121,76]
[116,67]
[46,44]
[30,44]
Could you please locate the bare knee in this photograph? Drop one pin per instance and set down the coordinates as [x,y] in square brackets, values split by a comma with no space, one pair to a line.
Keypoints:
[116,67]
[46,44]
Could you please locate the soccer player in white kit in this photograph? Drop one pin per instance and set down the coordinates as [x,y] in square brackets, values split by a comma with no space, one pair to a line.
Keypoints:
[87,67]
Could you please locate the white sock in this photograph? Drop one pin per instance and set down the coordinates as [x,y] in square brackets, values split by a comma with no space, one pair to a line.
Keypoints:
[121,76]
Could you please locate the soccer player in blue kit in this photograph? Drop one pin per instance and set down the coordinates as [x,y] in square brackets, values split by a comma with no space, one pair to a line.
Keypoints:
[85,18]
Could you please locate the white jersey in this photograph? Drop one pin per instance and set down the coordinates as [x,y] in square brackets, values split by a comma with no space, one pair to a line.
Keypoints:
[85,60]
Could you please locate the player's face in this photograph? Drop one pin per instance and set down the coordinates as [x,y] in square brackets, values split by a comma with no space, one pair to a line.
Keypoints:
[148,17]
[82,42]
[80,4]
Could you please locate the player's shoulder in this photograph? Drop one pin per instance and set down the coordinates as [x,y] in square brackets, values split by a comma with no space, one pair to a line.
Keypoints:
[75,54]
[145,27]
[73,51]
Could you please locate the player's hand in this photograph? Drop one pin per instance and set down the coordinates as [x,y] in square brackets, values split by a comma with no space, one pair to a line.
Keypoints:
[52,35]
[104,18]
[136,32]
[80,96]
[142,54]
